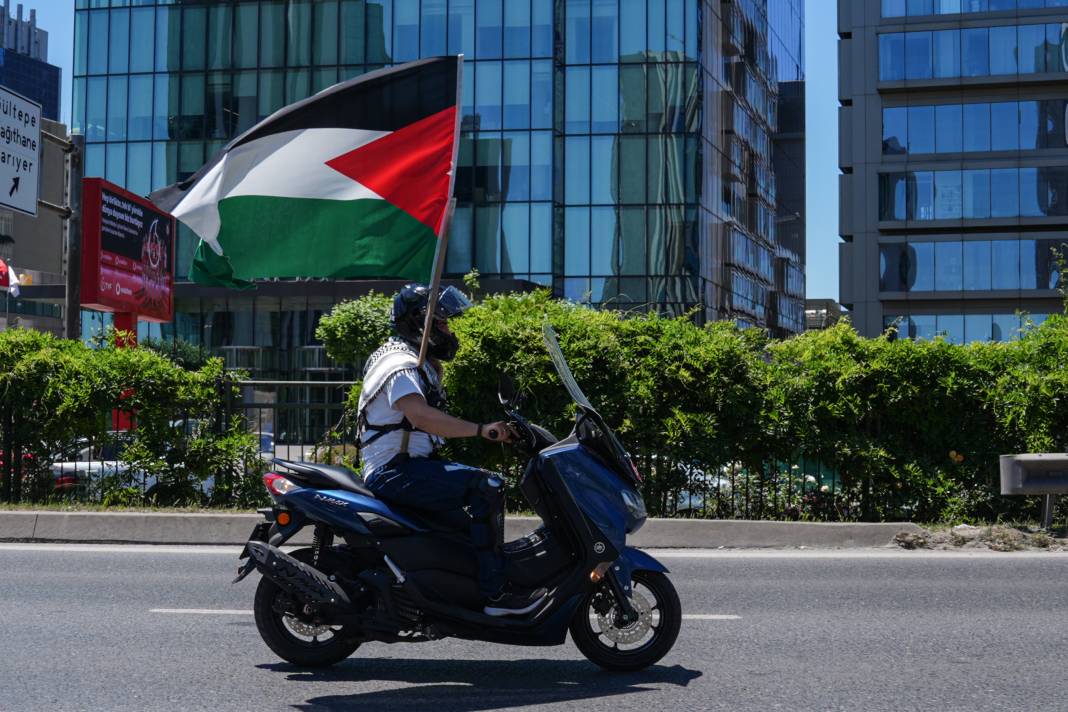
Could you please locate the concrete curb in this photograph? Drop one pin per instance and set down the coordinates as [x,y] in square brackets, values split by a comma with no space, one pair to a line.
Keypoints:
[198,528]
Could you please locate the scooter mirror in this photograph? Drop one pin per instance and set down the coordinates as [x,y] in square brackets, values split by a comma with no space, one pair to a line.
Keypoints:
[506,392]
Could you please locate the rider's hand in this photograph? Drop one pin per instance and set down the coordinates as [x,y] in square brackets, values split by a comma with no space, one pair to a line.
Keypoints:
[499,432]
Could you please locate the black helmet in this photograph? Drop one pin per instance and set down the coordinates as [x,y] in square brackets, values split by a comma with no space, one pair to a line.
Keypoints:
[409,316]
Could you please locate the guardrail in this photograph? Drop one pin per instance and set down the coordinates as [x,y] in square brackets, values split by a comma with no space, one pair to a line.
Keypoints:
[1044,474]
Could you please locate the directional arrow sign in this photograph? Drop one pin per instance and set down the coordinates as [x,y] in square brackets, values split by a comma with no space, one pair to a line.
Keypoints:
[20,152]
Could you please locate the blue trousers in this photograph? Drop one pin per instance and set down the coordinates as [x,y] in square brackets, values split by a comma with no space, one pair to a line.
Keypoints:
[444,487]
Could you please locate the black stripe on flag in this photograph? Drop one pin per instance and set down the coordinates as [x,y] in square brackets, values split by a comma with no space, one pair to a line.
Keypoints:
[383,100]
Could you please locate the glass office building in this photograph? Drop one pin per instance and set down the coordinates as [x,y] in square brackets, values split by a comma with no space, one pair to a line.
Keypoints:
[635,154]
[954,149]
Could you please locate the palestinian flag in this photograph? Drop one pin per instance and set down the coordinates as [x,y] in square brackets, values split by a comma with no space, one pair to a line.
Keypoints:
[350,183]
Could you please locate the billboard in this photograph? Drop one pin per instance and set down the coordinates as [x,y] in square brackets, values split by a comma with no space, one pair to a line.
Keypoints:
[127,253]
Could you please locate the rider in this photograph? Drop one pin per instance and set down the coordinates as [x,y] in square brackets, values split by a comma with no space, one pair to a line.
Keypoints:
[402,423]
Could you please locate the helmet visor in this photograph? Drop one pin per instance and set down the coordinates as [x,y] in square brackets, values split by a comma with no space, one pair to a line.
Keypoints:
[451,302]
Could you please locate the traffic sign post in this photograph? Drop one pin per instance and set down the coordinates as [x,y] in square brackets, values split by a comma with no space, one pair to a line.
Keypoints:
[20,152]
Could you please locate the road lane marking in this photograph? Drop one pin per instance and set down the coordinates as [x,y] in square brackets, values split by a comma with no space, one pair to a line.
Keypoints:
[202,611]
[872,554]
[840,554]
[238,612]
[121,548]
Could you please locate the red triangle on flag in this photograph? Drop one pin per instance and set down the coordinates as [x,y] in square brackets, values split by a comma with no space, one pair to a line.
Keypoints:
[408,167]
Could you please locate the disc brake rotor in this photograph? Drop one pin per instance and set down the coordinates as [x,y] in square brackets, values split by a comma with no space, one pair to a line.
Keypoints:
[633,632]
[306,629]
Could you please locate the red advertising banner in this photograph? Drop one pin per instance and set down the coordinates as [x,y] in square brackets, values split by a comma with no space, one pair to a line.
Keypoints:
[127,253]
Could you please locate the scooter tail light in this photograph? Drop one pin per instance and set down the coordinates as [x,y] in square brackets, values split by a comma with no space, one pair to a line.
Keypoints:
[278,485]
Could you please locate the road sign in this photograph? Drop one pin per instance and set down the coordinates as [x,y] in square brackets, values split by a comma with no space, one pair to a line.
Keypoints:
[20,152]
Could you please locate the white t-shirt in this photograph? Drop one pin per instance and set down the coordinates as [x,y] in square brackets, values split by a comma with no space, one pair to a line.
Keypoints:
[382,410]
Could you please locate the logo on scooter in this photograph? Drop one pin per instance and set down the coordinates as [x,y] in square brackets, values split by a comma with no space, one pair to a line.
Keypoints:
[332,500]
[598,548]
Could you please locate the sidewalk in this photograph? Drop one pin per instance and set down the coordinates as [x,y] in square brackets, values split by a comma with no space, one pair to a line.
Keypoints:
[193,528]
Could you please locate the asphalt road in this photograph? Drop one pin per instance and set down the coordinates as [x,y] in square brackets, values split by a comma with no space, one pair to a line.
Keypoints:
[80,630]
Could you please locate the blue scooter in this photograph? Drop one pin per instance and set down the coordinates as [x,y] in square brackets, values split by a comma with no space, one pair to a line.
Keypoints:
[377,571]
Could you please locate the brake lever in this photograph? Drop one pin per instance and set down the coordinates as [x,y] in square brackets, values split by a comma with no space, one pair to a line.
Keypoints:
[516,423]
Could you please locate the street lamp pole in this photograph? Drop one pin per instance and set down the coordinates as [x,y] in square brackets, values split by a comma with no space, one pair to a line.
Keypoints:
[72,326]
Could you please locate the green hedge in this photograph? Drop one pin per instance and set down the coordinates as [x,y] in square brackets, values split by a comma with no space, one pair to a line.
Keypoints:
[57,397]
[908,429]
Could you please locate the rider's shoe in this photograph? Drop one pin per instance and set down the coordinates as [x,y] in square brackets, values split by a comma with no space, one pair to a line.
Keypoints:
[514,604]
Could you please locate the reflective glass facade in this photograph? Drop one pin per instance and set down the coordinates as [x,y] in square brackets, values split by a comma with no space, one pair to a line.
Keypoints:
[962,328]
[33,79]
[1004,50]
[975,193]
[953,265]
[979,127]
[920,8]
[630,153]
[955,157]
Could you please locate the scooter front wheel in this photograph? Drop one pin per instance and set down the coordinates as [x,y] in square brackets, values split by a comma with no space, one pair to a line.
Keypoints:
[597,632]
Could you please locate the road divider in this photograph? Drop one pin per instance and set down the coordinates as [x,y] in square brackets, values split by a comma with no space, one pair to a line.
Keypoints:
[178,528]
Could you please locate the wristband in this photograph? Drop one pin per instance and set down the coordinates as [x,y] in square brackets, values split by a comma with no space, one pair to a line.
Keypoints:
[478,434]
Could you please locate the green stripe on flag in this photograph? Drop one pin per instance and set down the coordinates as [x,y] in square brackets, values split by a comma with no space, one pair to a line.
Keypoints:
[212,269]
[302,237]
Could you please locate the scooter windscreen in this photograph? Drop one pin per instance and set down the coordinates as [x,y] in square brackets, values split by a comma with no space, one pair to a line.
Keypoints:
[610,444]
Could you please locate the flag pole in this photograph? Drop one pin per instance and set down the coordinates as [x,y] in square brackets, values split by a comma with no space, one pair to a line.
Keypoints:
[435,279]
[432,298]
[443,238]
[443,231]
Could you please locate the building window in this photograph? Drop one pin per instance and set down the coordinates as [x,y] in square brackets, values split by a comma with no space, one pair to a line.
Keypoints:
[983,52]
[892,56]
[920,8]
[974,193]
[971,265]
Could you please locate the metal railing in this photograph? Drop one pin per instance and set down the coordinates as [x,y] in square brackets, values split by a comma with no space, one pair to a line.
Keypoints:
[305,420]
[296,420]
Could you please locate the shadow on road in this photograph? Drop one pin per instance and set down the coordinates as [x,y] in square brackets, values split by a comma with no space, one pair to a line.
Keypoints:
[472,685]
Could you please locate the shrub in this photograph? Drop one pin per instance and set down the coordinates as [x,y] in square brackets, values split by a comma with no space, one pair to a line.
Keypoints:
[57,396]
[912,429]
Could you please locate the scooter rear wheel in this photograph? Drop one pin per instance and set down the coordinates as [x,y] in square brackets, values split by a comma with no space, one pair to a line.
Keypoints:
[603,641]
[294,640]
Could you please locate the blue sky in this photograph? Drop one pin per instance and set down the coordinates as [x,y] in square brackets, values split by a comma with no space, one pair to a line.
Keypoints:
[821,73]
[821,147]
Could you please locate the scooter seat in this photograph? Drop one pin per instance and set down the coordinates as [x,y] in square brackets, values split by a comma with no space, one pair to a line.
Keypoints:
[326,476]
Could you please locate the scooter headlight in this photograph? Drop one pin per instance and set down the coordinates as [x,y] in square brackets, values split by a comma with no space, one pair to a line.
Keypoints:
[635,505]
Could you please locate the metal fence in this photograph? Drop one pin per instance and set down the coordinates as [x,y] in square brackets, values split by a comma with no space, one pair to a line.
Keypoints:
[293,420]
[296,420]
[305,420]
[804,489]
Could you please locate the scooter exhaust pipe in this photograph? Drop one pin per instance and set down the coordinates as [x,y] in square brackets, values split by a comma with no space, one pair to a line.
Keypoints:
[303,581]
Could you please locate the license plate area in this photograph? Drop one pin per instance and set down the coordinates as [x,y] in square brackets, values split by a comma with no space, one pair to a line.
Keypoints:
[259,533]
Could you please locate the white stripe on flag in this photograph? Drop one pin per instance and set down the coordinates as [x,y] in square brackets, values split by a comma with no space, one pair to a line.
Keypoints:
[291,164]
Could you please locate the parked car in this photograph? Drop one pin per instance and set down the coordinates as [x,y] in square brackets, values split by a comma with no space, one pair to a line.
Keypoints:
[703,491]
[85,462]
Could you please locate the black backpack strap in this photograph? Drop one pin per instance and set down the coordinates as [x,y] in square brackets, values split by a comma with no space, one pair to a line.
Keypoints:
[435,397]
[380,430]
